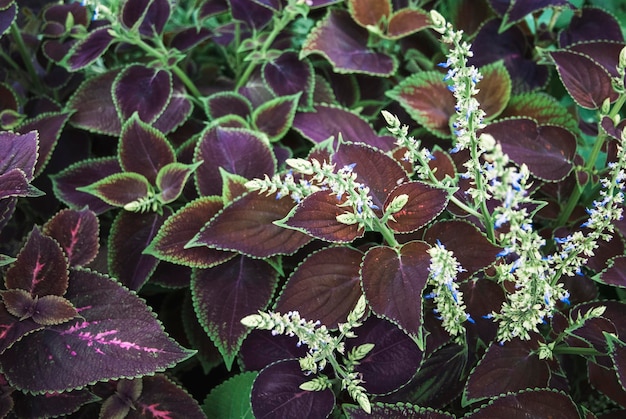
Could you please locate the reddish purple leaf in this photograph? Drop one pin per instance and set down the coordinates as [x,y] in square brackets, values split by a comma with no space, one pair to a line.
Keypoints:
[424,205]
[344,43]
[276,393]
[115,324]
[227,103]
[180,228]
[40,268]
[148,16]
[12,329]
[288,75]
[93,107]
[142,89]
[172,179]
[19,151]
[89,49]
[615,275]
[316,215]
[246,225]
[187,38]
[604,379]
[605,53]
[547,150]
[7,17]
[262,348]
[143,149]
[253,14]
[46,311]
[176,112]
[407,21]
[14,183]
[324,287]
[588,83]
[591,24]
[119,189]
[230,149]
[48,127]
[274,117]
[494,89]
[77,233]
[51,405]
[393,281]
[370,13]
[518,10]
[162,398]
[547,403]
[225,294]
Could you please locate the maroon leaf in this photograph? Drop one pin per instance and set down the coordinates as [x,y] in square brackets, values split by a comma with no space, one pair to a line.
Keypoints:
[494,89]
[15,183]
[119,189]
[230,149]
[46,311]
[12,329]
[225,103]
[93,107]
[288,75]
[605,53]
[316,215]
[585,80]
[19,151]
[324,287]
[180,228]
[262,348]
[142,89]
[172,179]
[274,117]
[161,398]
[148,16]
[543,108]
[115,325]
[591,24]
[393,281]
[143,149]
[51,405]
[176,112]
[340,40]
[424,204]
[7,16]
[77,233]
[615,275]
[407,21]
[48,127]
[225,294]
[40,268]
[536,403]
[518,10]
[89,49]
[547,150]
[276,393]
[369,13]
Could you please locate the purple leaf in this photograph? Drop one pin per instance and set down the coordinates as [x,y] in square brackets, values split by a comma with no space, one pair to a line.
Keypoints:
[605,53]
[393,281]
[394,410]
[274,117]
[518,10]
[19,151]
[276,393]
[40,267]
[180,228]
[407,21]
[547,150]
[119,189]
[89,49]
[172,179]
[93,107]
[48,127]
[585,80]
[261,348]
[344,43]
[227,103]
[14,183]
[131,233]
[176,112]
[250,12]
[142,89]
[618,356]
[143,149]
[13,329]
[394,349]
[52,404]
[46,311]
[82,174]
[116,336]
[77,233]
[288,75]
[424,204]
[370,12]
[187,38]
[536,403]
[7,16]
[148,16]
[324,287]
[592,24]
[226,293]
[230,149]
[615,275]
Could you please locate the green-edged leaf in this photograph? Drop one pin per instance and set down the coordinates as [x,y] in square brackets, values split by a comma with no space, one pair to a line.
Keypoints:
[274,117]
[172,179]
[406,21]
[370,12]
[77,233]
[231,399]
[544,403]
[89,49]
[119,189]
[543,108]
[424,204]
[48,127]
[46,311]
[494,89]
[394,410]
[142,89]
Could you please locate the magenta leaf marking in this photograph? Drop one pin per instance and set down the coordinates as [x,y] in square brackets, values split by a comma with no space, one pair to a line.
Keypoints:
[104,338]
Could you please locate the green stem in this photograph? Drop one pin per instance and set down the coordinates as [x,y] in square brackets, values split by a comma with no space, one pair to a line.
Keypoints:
[568,350]
[21,46]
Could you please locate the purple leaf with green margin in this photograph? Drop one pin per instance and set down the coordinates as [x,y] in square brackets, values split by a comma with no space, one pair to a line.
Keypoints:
[14,183]
[545,403]
[407,21]
[93,107]
[274,117]
[148,16]
[48,310]
[40,267]
[130,234]
[172,179]
[424,205]
[119,189]
[142,89]
[588,83]
[591,24]
[169,243]
[324,287]
[115,325]
[617,351]
[605,53]
[344,43]
[207,353]
[370,12]
[77,233]
[230,149]
[518,10]
[327,121]
[276,393]
[177,111]
[89,49]
[7,17]
[19,151]
[226,293]
[393,281]
[227,103]
[615,275]
[187,38]
[143,149]
[12,329]
[52,405]
[394,410]
[81,174]
[253,14]
[393,348]
[547,150]
[288,75]
[48,127]
[541,107]
[261,348]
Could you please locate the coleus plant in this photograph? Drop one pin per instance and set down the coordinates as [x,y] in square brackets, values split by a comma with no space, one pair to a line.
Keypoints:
[228,161]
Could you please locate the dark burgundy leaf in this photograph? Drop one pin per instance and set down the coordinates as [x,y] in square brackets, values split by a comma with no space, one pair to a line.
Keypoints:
[19,303]
[60,12]
[606,382]
[143,149]
[546,403]
[274,117]
[618,356]
[227,103]
[392,362]
[592,24]
[52,404]
[148,16]
[344,43]
[131,233]
[188,38]
[406,21]
[177,110]
[19,151]
[615,275]
[288,75]
[89,49]
[369,13]
[393,281]
[481,298]
[7,16]
[40,268]
[261,348]
[7,208]
[605,53]
[586,81]
[14,183]
[180,228]
[77,233]
[210,8]
[424,204]
[518,10]
[119,189]
[163,398]
[117,336]
[225,294]
[207,353]
[48,127]
[250,12]
[82,174]
[12,329]
[52,309]
[142,89]
[93,107]
[276,393]
[394,410]
[547,150]
[230,149]
[316,215]
[324,287]
[330,121]
[172,179]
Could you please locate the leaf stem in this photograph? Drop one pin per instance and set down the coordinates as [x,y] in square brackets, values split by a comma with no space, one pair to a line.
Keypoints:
[21,46]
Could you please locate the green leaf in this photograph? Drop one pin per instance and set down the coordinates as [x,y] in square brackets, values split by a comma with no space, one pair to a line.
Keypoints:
[231,399]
